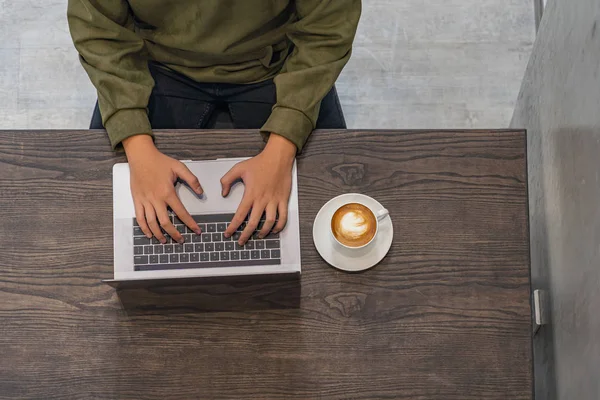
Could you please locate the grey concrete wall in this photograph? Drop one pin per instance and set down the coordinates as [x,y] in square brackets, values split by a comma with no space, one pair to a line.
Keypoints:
[559,104]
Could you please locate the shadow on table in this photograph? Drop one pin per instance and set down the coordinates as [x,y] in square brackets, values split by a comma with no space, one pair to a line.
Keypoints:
[249,295]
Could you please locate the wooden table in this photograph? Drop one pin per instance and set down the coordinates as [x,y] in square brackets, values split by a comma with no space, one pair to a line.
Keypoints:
[445,316]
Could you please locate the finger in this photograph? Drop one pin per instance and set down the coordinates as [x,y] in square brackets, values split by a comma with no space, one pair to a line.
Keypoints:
[271,214]
[239,217]
[229,179]
[165,222]
[253,221]
[184,173]
[153,224]
[283,215]
[141,219]
[179,210]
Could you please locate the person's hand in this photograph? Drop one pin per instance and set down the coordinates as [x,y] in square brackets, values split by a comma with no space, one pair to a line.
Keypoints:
[153,176]
[268,181]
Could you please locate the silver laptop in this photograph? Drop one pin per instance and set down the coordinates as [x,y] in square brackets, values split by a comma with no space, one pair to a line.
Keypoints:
[208,256]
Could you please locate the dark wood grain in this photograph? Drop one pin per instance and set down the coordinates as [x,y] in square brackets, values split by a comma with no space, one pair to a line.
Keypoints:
[446,315]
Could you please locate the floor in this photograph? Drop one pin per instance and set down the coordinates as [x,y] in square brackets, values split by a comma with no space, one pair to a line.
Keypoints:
[416,64]
[559,105]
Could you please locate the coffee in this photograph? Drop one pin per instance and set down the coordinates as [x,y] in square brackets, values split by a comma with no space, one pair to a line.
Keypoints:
[354,225]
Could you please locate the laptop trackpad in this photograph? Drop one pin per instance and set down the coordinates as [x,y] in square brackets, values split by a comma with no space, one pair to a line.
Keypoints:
[209,174]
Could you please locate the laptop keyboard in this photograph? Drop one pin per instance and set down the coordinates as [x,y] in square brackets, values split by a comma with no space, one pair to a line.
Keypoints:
[208,250]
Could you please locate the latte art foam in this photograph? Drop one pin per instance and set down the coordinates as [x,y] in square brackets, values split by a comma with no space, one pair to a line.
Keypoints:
[354,225]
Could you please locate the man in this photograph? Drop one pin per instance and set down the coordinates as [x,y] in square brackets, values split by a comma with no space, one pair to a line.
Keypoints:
[171,64]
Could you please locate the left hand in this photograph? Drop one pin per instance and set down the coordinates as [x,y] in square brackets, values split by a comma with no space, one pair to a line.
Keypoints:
[268,181]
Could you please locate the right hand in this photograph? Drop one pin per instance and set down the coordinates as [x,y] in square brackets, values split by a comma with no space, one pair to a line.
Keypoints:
[153,176]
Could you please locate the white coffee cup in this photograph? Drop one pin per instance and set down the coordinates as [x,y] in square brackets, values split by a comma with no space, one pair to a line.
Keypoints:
[354,225]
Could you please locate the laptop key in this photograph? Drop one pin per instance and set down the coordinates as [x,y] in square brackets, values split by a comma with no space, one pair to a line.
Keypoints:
[154,240]
[227,239]
[259,244]
[249,245]
[273,244]
[138,250]
[139,260]
[154,259]
[141,241]
[198,247]
[188,247]
[194,257]
[224,256]
[178,248]
[216,237]
[221,227]
[229,246]
[168,248]
[214,256]
[196,238]
[265,254]
[174,258]
[164,258]
[209,247]
[177,220]
[206,237]
[211,228]
[238,247]
[202,227]
[219,246]
[187,238]
[272,236]
[135,223]
[148,250]
[245,255]
[255,254]
[185,257]
[180,228]
[234,255]
[204,257]
[275,254]
[137,231]
[236,236]
[158,249]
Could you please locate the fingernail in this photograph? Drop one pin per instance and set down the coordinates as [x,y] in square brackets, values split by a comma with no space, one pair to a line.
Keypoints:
[149,236]
[181,241]
[163,241]
[226,235]
[198,231]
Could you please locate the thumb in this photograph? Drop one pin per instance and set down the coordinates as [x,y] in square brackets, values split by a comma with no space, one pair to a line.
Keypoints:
[184,173]
[229,178]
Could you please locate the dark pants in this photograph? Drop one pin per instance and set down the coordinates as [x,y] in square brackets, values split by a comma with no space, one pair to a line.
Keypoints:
[178,102]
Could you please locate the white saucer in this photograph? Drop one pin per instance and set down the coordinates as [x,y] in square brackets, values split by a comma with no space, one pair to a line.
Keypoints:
[338,256]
